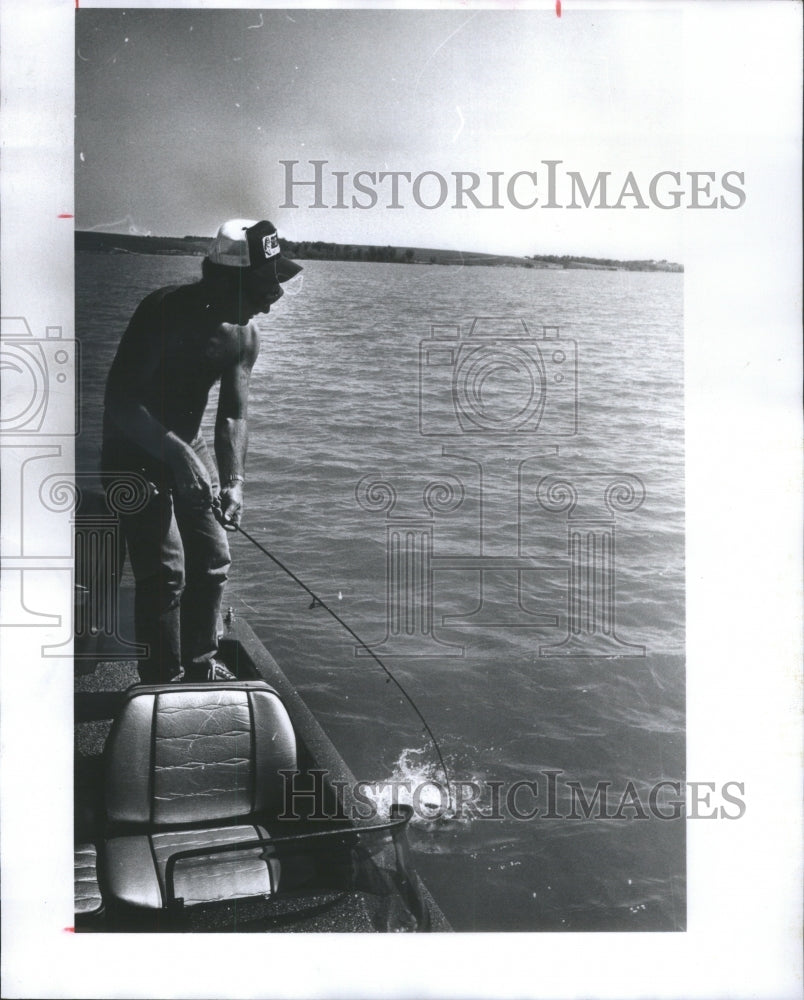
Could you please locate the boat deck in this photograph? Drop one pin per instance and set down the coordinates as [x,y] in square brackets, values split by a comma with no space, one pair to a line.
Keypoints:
[100,687]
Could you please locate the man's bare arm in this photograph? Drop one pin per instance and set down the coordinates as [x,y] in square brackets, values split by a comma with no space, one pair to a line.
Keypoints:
[231,427]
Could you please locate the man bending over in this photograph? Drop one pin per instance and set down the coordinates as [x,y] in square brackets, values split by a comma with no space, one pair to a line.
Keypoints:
[180,341]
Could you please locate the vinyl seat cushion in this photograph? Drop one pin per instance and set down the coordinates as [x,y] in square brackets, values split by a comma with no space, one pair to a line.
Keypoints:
[87,892]
[193,766]
[134,867]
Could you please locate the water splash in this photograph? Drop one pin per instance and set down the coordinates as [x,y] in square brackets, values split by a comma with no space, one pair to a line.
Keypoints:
[417,780]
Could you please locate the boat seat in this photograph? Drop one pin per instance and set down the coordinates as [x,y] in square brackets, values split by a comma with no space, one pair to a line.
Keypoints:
[189,767]
[88,899]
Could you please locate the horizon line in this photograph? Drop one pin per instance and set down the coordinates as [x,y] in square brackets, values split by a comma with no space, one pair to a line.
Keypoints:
[398,246]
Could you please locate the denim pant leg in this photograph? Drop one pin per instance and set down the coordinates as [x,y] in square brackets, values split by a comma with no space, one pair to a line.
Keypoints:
[206,565]
[157,562]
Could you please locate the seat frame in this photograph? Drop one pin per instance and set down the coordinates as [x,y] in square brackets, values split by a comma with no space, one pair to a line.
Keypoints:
[340,834]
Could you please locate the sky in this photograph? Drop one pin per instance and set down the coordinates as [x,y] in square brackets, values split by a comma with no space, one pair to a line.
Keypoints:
[183,117]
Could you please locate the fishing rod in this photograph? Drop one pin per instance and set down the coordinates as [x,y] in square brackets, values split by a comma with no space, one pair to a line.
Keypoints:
[317,601]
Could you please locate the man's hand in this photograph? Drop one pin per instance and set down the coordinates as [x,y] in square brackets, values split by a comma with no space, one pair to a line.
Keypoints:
[231,500]
[191,478]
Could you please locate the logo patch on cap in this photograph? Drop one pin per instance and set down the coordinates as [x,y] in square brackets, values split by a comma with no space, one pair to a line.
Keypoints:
[270,245]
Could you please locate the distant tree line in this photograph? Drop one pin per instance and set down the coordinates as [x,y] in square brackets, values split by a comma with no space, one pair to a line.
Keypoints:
[100,242]
[567,260]
[319,250]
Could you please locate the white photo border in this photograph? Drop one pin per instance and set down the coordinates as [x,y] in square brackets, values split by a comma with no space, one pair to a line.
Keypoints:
[742,91]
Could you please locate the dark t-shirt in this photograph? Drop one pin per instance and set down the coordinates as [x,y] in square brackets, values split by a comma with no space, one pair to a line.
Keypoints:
[163,362]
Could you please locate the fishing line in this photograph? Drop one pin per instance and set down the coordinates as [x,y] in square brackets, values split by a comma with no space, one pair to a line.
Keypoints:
[356,637]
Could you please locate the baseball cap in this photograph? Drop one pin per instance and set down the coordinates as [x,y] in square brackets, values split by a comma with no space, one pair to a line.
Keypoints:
[252,245]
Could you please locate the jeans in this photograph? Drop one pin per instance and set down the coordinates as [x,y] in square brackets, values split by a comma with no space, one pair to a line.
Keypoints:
[180,561]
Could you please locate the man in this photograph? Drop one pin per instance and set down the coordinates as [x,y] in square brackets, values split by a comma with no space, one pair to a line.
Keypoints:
[180,341]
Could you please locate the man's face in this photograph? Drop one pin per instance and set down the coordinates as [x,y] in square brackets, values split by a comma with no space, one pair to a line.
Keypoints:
[262,290]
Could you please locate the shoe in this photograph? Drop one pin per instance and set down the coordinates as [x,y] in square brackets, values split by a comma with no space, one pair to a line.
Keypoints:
[213,671]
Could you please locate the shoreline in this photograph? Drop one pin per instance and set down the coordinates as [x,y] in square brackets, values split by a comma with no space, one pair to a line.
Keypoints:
[196,246]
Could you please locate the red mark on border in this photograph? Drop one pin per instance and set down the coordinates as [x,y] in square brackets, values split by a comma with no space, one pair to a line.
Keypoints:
[65,215]
[70,930]
[558,7]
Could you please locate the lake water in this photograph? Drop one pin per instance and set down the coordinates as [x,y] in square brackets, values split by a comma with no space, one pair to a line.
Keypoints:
[467,590]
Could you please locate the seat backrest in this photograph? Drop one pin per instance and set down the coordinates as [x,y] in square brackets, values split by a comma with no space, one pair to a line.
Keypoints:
[187,753]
